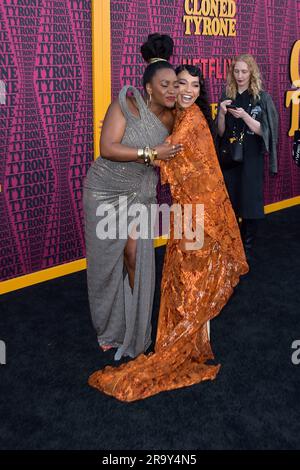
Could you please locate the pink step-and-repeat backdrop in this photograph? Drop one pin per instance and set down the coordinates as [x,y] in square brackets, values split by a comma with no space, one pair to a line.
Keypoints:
[46,132]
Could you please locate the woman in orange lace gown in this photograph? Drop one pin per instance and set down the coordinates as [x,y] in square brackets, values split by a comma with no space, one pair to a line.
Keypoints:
[196,284]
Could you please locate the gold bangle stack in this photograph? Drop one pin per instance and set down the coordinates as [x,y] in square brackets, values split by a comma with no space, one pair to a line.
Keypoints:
[140,153]
[148,155]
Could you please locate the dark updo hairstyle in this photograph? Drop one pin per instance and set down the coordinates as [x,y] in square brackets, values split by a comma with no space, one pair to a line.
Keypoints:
[202,100]
[160,46]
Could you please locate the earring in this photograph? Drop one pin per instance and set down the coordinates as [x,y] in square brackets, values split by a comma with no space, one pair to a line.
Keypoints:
[149,100]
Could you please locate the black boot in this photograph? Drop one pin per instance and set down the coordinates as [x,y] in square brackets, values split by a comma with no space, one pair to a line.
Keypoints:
[248,233]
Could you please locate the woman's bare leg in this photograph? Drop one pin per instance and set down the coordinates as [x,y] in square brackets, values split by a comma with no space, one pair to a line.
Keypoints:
[130,259]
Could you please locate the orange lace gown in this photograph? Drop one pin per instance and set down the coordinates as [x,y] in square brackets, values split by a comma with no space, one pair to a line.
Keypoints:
[195,284]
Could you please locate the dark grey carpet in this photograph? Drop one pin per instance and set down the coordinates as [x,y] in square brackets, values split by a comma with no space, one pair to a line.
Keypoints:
[45,402]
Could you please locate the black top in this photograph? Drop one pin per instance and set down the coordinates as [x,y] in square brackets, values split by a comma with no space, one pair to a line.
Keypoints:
[252,142]
[245,182]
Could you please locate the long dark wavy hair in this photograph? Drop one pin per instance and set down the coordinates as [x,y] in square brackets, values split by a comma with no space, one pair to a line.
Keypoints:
[202,100]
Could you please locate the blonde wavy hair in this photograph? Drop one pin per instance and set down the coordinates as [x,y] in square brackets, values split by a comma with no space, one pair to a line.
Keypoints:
[255,85]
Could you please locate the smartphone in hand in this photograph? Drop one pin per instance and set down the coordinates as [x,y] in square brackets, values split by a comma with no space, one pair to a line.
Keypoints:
[231,106]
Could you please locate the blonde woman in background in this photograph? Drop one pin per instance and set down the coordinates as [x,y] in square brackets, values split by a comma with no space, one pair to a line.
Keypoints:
[255,115]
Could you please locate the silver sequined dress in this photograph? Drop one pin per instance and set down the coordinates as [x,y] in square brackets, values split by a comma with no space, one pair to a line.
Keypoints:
[122,318]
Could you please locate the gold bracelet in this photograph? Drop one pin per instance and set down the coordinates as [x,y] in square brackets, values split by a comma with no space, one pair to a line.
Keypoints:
[140,153]
[155,153]
[152,156]
[146,156]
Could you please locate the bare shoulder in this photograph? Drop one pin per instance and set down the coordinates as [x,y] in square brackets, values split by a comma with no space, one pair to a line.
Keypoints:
[114,107]
[114,112]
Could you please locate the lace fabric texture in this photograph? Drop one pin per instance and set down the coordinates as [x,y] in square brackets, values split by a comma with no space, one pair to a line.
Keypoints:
[196,284]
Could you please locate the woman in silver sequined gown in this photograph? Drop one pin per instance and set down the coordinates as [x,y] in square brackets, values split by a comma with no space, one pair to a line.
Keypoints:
[120,269]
